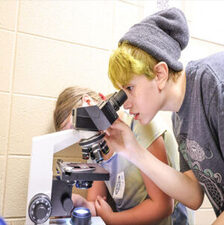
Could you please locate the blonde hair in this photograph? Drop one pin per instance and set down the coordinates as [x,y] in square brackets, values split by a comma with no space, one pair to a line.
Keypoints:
[69,99]
[127,61]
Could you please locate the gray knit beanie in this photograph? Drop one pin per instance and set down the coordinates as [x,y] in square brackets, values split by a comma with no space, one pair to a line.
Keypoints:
[162,35]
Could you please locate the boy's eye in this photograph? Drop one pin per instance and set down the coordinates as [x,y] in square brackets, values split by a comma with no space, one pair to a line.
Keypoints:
[129,88]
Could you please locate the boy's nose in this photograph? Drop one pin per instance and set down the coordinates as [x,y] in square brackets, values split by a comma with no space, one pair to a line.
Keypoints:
[127,104]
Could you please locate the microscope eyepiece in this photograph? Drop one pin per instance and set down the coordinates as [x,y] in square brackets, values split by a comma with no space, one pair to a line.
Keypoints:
[118,99]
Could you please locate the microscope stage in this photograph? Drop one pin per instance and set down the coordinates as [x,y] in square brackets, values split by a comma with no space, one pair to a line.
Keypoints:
[82,171]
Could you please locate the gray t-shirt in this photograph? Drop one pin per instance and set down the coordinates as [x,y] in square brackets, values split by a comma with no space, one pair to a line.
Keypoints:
[199,126]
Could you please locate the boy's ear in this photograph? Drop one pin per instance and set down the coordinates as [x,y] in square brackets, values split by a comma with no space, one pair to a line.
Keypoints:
[161,71]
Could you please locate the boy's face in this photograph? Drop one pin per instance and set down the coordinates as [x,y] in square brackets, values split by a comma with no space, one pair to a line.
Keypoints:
[143,98]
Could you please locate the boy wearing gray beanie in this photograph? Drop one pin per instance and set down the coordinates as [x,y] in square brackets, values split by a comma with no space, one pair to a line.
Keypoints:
[146,66]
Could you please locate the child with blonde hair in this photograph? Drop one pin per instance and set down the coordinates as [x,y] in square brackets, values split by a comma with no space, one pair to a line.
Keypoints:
[146,66]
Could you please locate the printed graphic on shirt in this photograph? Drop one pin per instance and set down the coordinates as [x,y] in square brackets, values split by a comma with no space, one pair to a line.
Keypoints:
[195,156]
[119,186]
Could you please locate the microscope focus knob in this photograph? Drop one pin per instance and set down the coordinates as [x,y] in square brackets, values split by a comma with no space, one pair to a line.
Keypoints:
[40,208]
[67,204]
[40,211]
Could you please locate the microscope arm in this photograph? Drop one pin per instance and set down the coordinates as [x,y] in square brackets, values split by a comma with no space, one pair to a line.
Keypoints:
[43,149]
[39,203]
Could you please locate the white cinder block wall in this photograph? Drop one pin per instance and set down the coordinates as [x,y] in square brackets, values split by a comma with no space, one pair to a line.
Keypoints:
[47,46]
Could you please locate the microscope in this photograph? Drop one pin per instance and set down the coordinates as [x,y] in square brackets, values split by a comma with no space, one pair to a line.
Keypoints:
[49,197]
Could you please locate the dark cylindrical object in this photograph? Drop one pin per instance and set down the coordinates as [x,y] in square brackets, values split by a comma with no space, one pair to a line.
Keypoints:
[96,150]
[118,99]
[67,203]
[104,147]
[81,216]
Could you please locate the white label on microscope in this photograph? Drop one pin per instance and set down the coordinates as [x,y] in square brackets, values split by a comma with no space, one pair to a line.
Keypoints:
[119,186]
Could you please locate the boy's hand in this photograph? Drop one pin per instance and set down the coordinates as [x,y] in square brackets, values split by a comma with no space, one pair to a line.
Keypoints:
[120,138]
[103,209]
